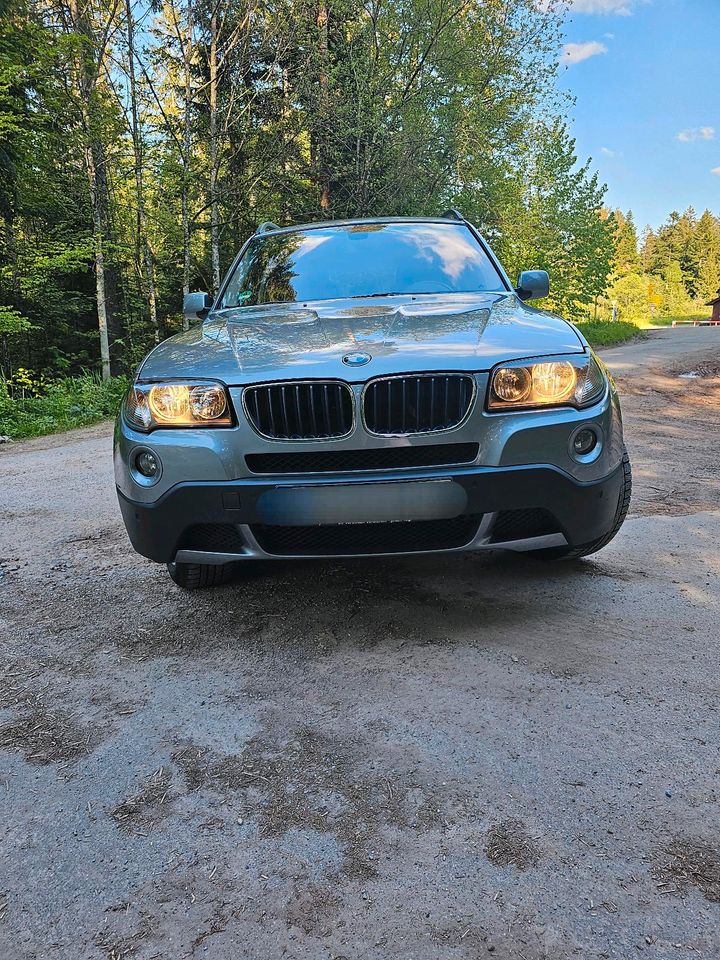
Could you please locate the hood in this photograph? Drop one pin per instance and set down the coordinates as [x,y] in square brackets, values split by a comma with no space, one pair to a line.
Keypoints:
[405,334]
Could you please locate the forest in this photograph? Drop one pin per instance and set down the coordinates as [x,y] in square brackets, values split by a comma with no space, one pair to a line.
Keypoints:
[142,142]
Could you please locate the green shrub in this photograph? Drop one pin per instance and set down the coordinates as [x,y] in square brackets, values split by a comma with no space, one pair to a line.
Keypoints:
[5,401]
[67,403]
[605,333]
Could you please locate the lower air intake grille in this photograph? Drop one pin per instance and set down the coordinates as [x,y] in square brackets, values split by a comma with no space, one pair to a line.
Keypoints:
[365,538]
[300,411]
[383,458]
[521,524]
[217,537]
[421,403]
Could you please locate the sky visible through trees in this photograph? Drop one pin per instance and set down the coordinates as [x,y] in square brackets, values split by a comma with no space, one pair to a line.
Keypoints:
[141,143]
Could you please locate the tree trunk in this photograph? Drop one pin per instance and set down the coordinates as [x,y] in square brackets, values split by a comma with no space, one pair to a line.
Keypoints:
[322,153]
[145,263]
[12,255]
[214,152]
[87,75]
[98,237]
[187,143]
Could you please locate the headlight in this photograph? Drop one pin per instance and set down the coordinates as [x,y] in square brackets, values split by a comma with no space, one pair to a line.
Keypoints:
[575,381]
[148,406]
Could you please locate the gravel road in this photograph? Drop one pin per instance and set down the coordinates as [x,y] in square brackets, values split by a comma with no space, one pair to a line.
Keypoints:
[436,758]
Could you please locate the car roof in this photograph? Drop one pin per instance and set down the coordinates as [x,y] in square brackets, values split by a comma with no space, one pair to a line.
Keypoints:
[267,229]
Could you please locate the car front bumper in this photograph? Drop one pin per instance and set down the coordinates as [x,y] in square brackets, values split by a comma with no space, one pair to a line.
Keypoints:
[522,490]
[517,508]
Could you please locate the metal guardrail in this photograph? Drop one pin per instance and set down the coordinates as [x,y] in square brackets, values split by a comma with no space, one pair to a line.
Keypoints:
[697,323]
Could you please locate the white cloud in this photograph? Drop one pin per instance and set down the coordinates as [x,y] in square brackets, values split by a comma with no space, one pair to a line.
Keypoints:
[607,152]
[696,133]
[716,170]
[622,8]
[577,52]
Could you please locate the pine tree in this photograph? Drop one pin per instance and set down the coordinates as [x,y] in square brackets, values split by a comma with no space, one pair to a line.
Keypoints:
[627,257]
[707,243]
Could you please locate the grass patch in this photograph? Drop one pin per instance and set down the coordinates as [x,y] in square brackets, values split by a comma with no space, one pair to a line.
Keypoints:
[606,333]
[71,402]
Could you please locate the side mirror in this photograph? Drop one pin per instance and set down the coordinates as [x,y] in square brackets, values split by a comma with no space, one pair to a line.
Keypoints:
[196,305]
[533,285]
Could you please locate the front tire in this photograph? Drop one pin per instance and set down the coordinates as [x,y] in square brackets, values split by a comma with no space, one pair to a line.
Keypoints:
[576,553]
[194,576]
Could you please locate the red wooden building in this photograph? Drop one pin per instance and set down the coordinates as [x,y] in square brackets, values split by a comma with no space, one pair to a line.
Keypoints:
[715,304]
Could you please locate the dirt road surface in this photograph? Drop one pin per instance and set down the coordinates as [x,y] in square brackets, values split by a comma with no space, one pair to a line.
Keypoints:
[446,758]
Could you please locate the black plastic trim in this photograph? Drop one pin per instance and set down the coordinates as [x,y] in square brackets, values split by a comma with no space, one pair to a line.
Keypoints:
[584,511]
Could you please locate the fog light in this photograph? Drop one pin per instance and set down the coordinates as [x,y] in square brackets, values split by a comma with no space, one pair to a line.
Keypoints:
[584,441]
[147,464]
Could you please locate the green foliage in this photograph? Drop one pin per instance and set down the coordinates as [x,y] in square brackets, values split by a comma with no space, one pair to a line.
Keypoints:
[70,402]
[25,383]
[631,293]
[45,267]
[626,258]
[298,112]
[675,294]
[672,273]
[549,217]
[687,250]
[12,321]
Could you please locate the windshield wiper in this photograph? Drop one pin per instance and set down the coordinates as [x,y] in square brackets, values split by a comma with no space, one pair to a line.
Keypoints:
[390,293]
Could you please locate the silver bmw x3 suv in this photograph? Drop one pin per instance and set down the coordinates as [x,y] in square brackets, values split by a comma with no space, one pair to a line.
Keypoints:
[369,387]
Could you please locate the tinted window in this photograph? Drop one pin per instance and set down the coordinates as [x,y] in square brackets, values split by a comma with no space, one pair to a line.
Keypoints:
[361,260]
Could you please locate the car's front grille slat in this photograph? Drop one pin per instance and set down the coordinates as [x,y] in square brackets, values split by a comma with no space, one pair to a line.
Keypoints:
[300,410]
[417,403]
[326,408]
[271,411]
[286,418]
[313,413]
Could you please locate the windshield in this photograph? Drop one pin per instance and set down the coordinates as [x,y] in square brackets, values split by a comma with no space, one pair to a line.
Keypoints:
[361,260]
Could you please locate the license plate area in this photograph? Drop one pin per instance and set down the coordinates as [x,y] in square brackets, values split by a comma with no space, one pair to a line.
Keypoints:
[384,502]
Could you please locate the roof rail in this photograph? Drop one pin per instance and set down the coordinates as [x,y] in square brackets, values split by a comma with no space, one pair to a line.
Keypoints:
[267,227]
[452,214]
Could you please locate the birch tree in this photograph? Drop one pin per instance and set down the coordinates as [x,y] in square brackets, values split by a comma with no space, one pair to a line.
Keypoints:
[144,256]
[90,30]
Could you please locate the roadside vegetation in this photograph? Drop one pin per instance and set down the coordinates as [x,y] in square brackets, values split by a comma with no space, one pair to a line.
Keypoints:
[30,409]
[606,333]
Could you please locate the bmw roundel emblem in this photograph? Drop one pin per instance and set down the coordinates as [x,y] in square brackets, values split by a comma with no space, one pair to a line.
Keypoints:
[356,359]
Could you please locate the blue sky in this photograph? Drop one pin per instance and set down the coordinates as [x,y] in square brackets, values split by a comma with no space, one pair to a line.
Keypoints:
[646,78]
